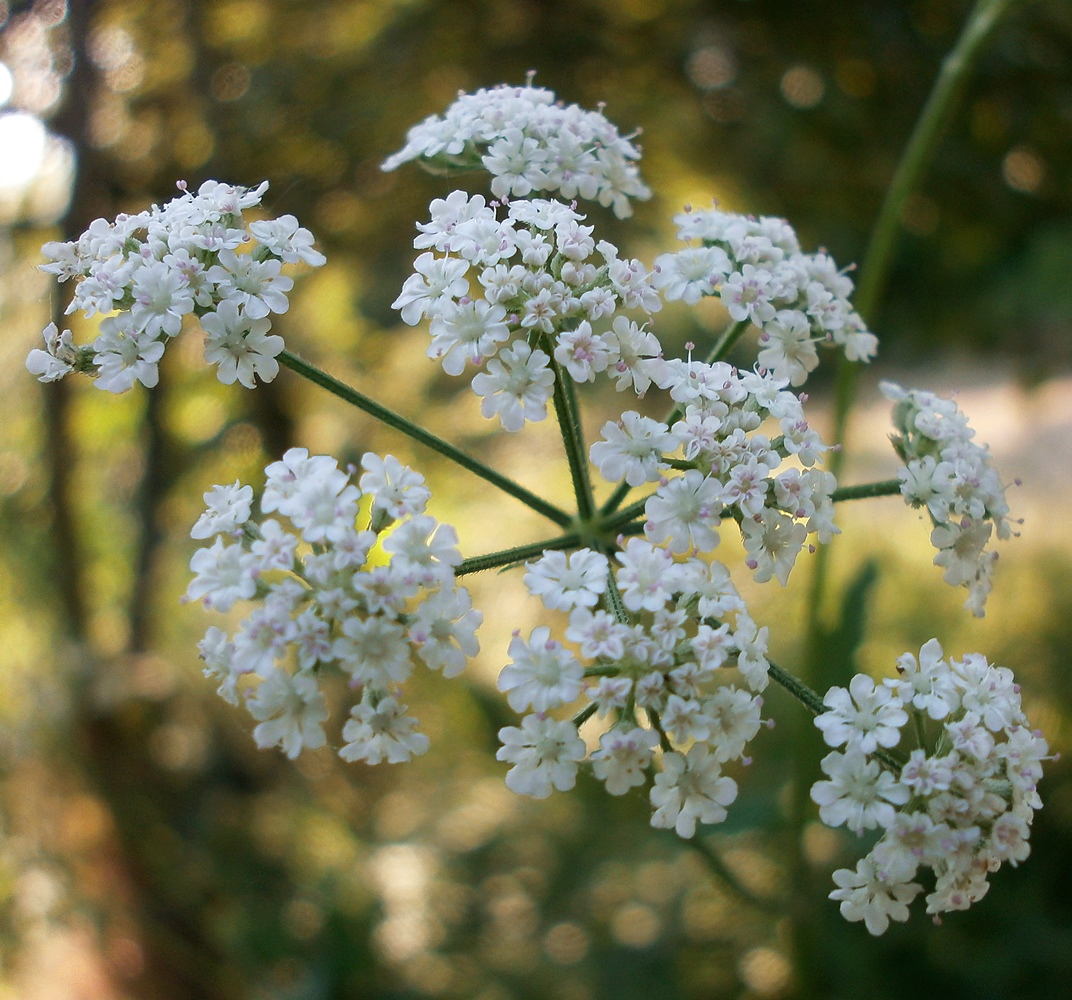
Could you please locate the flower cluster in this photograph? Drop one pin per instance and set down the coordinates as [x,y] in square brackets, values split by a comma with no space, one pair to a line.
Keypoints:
[655,672]
[546,286]
[962,802]
[331,598]
[660,666]
[528,142]
[145,273]
[756,268]
[949,474]
[733,468]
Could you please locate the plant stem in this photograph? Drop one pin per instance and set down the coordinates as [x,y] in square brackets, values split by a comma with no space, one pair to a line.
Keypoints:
[936,113]
[429,440]
[725,343]
[511,557]
[807,696]
[941,105]
[569,423]
[862,491]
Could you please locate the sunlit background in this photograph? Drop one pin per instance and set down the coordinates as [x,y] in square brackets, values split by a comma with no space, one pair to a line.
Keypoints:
[147,850]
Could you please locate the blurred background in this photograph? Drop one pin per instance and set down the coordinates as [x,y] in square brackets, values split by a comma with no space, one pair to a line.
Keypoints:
[147,850]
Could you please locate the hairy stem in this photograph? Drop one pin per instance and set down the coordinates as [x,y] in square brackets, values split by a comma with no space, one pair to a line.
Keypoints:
[863,491]
[511,557]
[569,422]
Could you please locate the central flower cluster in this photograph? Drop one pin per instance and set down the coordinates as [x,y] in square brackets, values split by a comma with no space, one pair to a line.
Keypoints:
[545,285]
[656,671]
[733,468]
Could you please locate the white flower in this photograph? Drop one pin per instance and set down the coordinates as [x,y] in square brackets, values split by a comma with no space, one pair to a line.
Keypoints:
[292,710]
[424,547]
[516,386]
[690,274]
[294,472]
[647,577]
[632,449]
[690,789]
[773,543]
[516,163]
[125,356]
[224,574]
[287,240]
[57,359]
[228,510]
[634,352]
[255,285]
[542,675]
[240,345]
[563,582]
[544,753]
[684,720]
[734,717]
[863,718]
[789,348]
[610,693]
[685,513]
[859,794]
[162,297]
[443,629]
[439,281]
[218,653]
[751,643]
[379,730]
[928,482]
[747,295]
[325,508]
[374,652]
[622,760]
[529,142]
[583,353]
[396,489]
[262,639]
[927,685]
[445,215]
[868,894]
[598,634]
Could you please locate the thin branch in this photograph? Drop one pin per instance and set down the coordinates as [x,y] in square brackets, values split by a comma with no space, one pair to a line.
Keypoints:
[429,440]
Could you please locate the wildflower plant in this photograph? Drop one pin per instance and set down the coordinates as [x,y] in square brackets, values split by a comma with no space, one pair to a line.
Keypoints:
[655,683]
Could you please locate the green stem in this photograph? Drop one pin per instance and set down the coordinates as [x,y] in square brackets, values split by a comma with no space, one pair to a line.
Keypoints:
[569,422]
[511,557]
[437,444]
[622,517]
[807,696]
[614,599]
[862,491]
[725,343]
[877,261]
